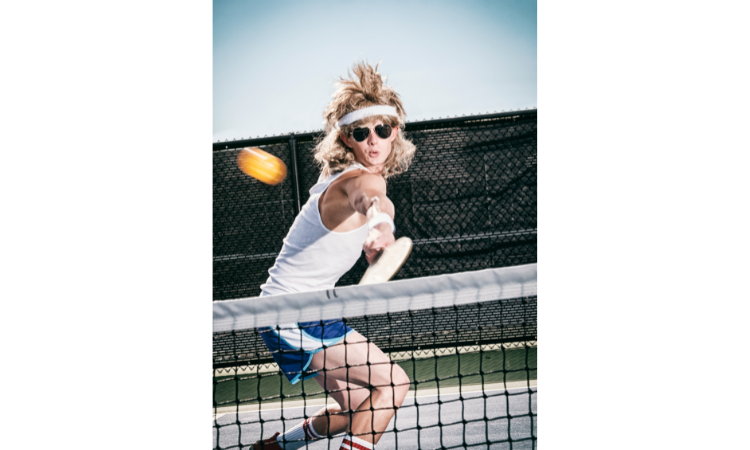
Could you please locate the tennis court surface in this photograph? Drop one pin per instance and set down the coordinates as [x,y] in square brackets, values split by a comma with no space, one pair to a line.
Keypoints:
[466,341]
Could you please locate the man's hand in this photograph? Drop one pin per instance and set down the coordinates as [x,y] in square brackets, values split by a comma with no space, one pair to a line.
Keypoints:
[379,237]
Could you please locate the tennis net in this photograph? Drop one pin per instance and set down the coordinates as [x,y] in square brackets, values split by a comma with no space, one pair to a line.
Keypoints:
[465,342]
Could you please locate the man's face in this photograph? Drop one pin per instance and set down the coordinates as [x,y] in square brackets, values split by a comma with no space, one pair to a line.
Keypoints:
[373,150]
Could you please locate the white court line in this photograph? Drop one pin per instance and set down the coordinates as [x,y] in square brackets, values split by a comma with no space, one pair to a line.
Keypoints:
[511,386]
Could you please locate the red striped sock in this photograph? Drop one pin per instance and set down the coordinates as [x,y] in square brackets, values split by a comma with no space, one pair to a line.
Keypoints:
[298,436]
[355,443]
[310,433]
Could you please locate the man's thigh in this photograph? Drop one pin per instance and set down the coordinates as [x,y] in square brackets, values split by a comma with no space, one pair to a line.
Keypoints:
[355,352]
[348,399]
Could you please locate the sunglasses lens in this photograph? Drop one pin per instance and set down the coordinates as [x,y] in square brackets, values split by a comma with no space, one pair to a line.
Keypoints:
[360,134]
[384,131]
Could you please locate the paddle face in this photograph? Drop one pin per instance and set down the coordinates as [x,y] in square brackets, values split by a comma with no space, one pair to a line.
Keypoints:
[388,263]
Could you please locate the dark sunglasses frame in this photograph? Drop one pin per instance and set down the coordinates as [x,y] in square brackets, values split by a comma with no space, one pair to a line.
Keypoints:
[383,131]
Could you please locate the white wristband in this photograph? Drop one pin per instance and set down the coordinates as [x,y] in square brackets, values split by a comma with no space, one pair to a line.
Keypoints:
[381,218]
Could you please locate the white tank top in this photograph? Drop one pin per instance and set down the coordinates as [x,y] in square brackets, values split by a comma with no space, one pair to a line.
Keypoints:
[314,257]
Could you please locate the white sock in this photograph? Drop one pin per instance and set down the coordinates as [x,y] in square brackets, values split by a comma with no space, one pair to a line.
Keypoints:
[355,443]
[298,436]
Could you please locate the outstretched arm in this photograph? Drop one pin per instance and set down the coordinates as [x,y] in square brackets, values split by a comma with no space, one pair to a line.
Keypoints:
[367,196]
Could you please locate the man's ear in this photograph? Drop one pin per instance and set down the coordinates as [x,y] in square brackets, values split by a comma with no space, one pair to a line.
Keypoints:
[345,140]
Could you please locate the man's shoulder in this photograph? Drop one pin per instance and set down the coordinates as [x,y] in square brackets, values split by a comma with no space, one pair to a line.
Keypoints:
[358,179]
[363,177]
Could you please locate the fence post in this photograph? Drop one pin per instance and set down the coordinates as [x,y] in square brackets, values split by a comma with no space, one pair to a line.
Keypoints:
[295,173]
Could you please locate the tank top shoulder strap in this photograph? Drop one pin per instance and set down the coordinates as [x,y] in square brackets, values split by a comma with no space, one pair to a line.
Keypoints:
[323,184]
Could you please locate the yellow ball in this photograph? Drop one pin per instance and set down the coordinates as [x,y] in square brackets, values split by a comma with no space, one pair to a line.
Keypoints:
[261,165]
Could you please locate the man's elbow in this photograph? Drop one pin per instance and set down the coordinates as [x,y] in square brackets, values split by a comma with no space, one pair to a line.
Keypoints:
[362,201]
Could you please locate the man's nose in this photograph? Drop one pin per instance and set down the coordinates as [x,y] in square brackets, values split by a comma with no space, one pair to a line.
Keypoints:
[373,137]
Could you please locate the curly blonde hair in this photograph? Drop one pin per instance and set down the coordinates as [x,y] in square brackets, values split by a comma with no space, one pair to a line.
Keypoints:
[362,90]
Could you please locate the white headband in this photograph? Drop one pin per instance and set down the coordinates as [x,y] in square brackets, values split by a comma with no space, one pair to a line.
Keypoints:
[380,110]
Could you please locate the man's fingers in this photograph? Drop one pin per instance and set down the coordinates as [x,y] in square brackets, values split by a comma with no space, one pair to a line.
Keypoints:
[375,243]
[371,253]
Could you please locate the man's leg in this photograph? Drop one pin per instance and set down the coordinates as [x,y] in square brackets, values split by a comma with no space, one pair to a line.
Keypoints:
[329,421]
[335,419]
[360,363]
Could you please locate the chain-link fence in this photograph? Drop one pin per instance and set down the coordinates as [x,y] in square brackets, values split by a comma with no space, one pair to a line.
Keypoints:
[468,201]
[502,321]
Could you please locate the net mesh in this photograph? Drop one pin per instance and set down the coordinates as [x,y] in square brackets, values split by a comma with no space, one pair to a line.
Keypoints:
[469,359]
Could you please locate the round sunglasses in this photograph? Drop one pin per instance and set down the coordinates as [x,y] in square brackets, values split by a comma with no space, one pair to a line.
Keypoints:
[360,134]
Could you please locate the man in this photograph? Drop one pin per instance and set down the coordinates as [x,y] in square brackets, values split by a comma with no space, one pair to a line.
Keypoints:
[348,211]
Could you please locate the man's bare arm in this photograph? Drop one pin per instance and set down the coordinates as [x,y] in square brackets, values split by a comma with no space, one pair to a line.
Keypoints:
[367,196]
[362,192]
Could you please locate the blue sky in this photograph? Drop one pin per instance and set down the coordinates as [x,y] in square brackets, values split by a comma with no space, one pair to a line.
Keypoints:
[274,63]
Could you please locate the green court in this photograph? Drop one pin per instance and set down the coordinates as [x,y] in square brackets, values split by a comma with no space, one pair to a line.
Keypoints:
[435,373]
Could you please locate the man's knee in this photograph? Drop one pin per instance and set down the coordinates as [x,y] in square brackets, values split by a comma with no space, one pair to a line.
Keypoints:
[397,386]
[401,383]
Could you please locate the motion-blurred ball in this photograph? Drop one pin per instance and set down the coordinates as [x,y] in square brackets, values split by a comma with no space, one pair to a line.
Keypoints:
[261,165]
